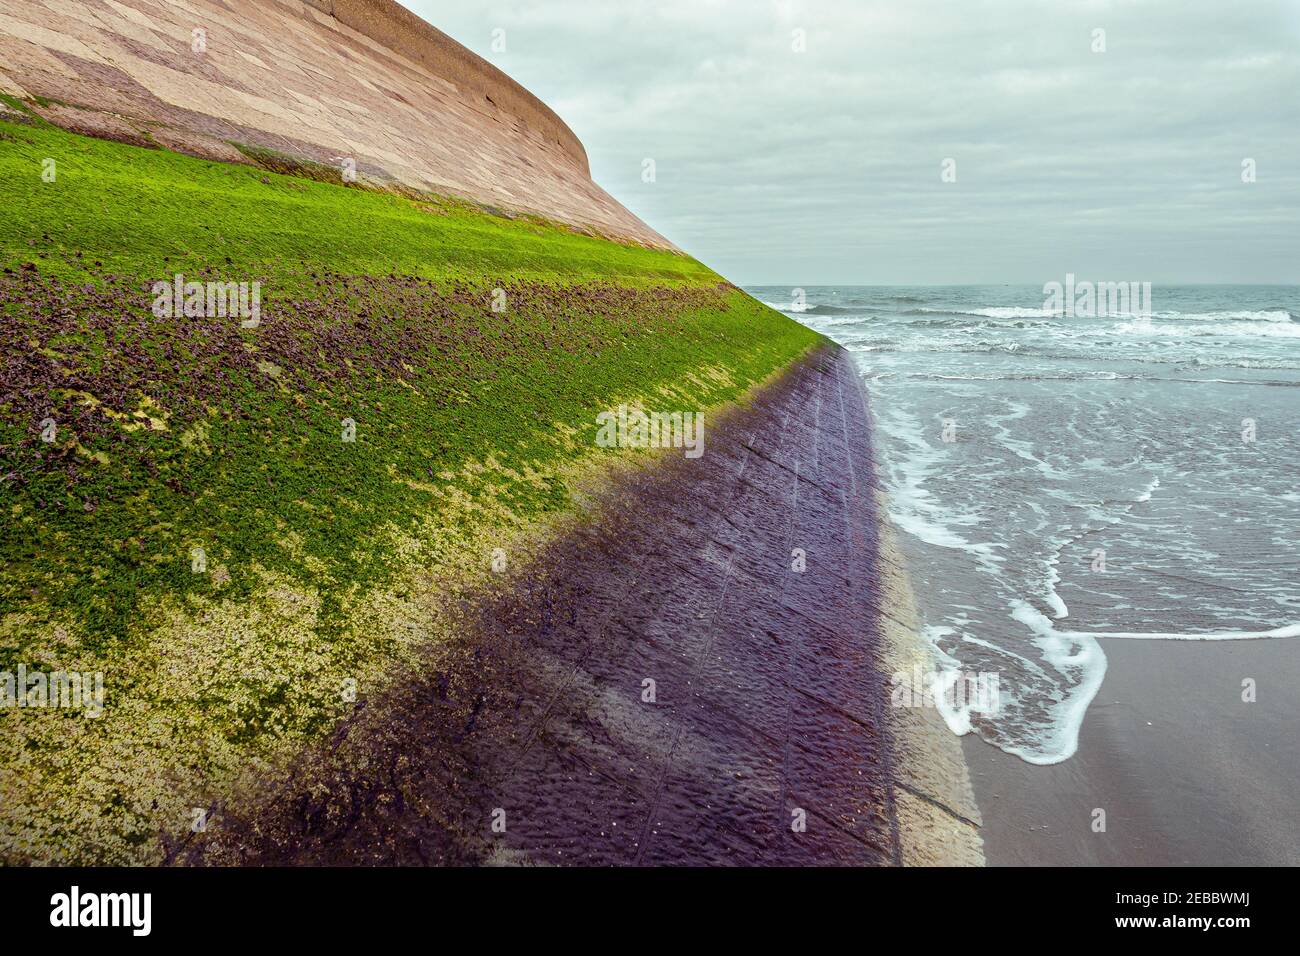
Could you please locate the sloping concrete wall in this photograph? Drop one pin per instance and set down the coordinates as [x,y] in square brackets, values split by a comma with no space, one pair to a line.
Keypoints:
[772,698]
[403,32]
[325,80]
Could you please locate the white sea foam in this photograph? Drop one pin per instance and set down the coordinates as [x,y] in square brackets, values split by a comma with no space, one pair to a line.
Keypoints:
[911,506]
[1022,312]
[1290,630]
[1032,666]
[948,673]
[1000,312]
[1241,329]
[1263,315]
[793,307]
[1078,654]
[1053,579]
[1080,659]
[1021,448]
[839,320]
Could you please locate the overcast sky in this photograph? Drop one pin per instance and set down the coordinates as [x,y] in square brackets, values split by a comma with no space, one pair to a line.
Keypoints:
[824,166]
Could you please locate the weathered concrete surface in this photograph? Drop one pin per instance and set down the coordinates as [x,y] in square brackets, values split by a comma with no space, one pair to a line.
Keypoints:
[398,29]
[770,699]
[939,822]
[359,79]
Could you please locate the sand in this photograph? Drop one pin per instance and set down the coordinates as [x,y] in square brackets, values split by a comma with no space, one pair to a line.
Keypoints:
[1187,773]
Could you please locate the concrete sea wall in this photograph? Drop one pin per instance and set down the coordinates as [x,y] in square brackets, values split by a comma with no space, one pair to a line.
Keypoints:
[663,685]
[401,31]
[769,737]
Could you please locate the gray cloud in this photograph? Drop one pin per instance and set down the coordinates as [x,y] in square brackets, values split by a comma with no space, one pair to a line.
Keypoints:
[824,166]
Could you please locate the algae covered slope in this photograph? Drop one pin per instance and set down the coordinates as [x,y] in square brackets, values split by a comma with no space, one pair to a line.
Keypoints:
[246,521]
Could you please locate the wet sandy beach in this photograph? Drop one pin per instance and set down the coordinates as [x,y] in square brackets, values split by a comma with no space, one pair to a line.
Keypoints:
[1187,773]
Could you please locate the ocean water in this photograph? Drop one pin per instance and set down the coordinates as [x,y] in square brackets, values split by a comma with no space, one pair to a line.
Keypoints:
[1059,478]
